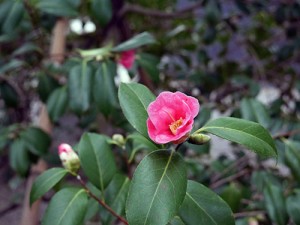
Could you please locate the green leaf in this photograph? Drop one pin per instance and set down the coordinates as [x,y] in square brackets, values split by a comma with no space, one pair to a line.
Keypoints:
[25,48]
[203,206]
[5,7]
[46,86]
[102,11]
[79,87]
[134,100]
[293,206]
[139,143]
[19,157]
[45,182]
[275,203]
[176,221]
[115,197]
[13,17]
[135,42]
[232,194]
[36,140]
[292,157]
[67,207]
[104,89]
[149,63]
[255,111]
[97,159]
[58,7]
[9,94]
[157,189]
[247,133]
[92,209]
[57,103]
[11,65]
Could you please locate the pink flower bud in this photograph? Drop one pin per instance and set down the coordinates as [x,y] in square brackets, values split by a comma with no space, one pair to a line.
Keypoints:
[171,117]
[127,58]
[69,158]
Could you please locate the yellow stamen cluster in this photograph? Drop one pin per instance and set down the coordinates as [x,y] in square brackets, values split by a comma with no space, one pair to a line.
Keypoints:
[174,126]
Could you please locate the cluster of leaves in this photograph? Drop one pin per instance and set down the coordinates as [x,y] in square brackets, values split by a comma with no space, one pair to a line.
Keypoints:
[159,189]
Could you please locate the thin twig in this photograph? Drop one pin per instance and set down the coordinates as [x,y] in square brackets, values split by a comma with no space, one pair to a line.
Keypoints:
[286,134]
[248,214]
[229,168]
[8,209]
[100,201]
[160,14]
[177,147]
[228,179]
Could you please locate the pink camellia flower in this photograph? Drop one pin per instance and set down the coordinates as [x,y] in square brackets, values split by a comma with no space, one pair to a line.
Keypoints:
[127,58]
[68,157]
[171,117]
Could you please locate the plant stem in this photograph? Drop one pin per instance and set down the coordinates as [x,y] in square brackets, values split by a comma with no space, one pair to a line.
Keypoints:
[228,179]
[230,167]
[177,147]
[286,134]
[100,201]
[248,214]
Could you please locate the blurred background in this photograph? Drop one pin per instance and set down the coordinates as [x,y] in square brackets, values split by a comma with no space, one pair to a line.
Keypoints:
[239,58]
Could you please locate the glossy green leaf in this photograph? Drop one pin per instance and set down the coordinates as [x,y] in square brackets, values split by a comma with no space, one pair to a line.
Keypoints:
[104,89]
[203,206]
[9,94]
[36,140]
[93,208]
[44,182]
[46,86]
[11,65]
[135,42]
[58,7]
[275,203]
[232,194]
[176,221]
[57,103]
[26,48]
[97,159]
[149,63]
[255,111]
[157,189]
[259,177]
[19,157]
[67,207]
[115,197]
[139,142]
[292,157]
[293,206]
[247,133]
[79,88]
[13,17]
[5,7]
[134,100]
[102,11]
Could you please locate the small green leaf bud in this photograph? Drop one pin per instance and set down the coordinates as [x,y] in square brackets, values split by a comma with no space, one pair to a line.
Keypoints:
[119,139]
[198,139]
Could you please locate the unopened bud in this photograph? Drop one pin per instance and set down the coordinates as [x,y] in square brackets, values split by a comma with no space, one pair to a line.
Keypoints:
[118,139]
[199,139]
[69,158]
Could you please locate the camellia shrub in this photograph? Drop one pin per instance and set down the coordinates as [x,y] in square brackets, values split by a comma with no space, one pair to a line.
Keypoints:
[159,191]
